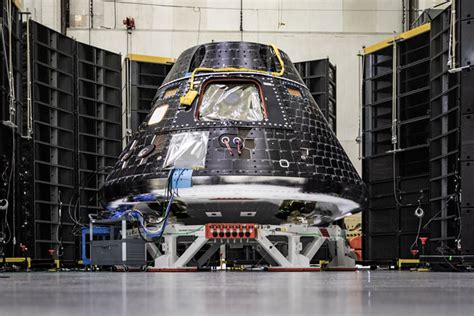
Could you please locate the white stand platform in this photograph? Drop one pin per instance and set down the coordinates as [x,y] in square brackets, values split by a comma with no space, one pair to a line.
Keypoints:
[298,258]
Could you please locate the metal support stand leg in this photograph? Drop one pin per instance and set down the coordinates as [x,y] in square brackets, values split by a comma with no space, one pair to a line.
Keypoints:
[169,257]
[208,254]
[313,247]
[170,261]
[297,259]
[152,249]
[294,252]
[341,255]
[272,251]
[190,252]
[222,257]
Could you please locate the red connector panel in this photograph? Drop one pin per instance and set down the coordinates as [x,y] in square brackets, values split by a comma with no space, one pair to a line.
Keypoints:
[230,231]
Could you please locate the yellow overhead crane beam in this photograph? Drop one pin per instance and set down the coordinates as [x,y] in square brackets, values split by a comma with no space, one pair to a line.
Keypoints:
[403,36]
[151,59]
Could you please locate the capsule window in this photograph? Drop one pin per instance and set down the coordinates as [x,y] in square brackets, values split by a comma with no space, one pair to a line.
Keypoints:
[232,101]
[158,114]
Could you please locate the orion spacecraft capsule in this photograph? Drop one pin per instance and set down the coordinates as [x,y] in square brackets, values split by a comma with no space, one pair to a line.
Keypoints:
[237,137]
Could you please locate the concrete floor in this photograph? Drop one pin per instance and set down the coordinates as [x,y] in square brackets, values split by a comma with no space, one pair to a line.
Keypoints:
[237,293]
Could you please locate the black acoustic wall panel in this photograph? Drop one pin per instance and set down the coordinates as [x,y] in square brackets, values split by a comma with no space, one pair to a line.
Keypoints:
[380,220]
[397,174]
[10,122]
[452,130]
[465,215]
[10,41]
[99,122]
[320,78]
[143,79]
[436,132]
[63,140]
[51,152]
[444,144]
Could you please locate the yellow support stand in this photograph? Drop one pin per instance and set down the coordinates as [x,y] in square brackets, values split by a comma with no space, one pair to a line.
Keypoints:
[323,263]
[18,260]
[402,262]
[57,265]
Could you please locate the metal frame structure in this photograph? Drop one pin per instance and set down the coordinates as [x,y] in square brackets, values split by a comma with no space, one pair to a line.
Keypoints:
[451,140]
[395,143]
[434,123]
[99,126]
[67,130]
[320,77]
[298,258]
[51,180]
[142,76]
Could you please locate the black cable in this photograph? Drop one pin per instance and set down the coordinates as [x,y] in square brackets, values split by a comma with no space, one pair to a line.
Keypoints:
[439,212]
[404,14]
[141,234]
[75,198]
[9,186]
[443,254]
[261,259]
[415,243]
[177,180]
[458,181]
[254,9]
[442,3]
[420,214]
[60,239]
[11,95]
[4,223]
[394,176]
[264,256]
[241,20]
[458,207]
[169,187]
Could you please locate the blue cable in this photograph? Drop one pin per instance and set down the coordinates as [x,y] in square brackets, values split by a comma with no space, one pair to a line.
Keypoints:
[177,181]
[127,209]
[162,230]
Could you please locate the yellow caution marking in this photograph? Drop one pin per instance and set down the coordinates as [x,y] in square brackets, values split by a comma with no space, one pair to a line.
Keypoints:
[151,59]
[403,36]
